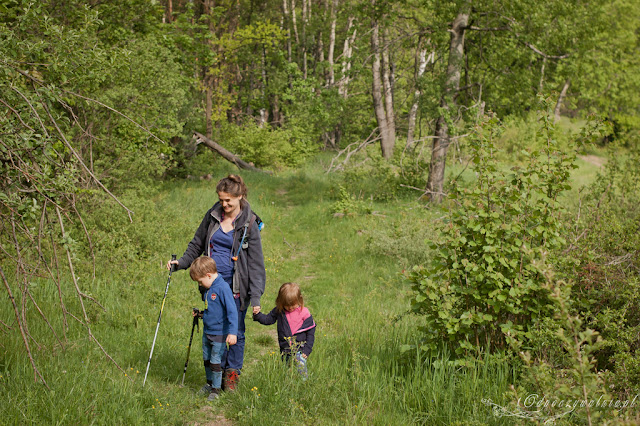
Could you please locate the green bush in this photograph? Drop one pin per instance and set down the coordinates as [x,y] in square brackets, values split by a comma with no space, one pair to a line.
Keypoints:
[117,240]
[383,180]
[521,134]
[603,258]
[482,290]
[266,147]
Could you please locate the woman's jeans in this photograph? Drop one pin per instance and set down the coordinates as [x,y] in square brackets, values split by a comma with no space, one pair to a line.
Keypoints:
[234,356]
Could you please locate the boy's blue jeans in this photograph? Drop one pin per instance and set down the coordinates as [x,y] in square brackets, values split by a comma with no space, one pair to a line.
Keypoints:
[212,352]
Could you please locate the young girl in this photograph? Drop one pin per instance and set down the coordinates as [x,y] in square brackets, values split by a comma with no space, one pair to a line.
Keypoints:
[296,328]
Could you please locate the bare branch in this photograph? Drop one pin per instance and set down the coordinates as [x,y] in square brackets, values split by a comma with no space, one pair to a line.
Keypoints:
[80,298]
[75,154]
[36,372]
[350,153]
[541,53]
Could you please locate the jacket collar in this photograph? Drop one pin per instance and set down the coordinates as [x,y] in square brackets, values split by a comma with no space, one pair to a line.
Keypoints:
[216,213]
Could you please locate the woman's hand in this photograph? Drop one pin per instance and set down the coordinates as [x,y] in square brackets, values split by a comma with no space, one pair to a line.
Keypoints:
[175,262]
[256,310]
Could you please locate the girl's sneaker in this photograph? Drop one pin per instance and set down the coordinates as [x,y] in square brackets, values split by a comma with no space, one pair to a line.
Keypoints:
[301,364]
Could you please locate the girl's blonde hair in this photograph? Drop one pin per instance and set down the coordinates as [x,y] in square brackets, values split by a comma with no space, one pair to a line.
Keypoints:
[289,295]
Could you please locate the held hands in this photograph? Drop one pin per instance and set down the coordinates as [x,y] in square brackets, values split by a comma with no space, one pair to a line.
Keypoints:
[256,310]
[232,339]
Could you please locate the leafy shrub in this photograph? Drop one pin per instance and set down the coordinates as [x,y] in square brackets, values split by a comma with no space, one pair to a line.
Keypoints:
[521,134]
[118,241]
[347,203]
[266,147]
[384,180]
[567,387]
[482,288]
[604,259]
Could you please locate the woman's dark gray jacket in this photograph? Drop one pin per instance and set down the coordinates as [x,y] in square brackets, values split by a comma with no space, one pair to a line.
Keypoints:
[249,275]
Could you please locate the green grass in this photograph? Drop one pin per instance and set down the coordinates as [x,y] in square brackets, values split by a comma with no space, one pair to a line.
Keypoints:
[353,287]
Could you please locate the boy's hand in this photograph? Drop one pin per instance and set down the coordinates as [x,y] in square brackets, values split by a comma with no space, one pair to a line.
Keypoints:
[172,262]
[232,339]
[256,310]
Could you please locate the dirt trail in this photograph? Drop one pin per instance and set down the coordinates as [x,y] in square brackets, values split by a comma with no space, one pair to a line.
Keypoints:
[593,159]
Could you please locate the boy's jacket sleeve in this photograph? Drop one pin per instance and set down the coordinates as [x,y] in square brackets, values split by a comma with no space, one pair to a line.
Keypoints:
[231,309]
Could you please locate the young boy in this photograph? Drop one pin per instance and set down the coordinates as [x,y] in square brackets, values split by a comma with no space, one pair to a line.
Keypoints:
[220,319]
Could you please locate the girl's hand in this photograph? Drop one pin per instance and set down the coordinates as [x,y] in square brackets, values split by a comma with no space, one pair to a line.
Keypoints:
[232,339]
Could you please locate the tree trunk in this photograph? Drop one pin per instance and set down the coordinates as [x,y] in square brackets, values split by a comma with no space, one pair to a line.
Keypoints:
[287,28]
[435,181]
[208,81]
[421,66]
[347,51]
[226,154]
[541,84]
[332,44]
[563,94]
[278,120]
[378,106]
[169,14]
[387,83]
[294,20]
[305,23]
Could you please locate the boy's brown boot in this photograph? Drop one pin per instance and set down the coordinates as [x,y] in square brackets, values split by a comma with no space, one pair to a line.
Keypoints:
[229,379]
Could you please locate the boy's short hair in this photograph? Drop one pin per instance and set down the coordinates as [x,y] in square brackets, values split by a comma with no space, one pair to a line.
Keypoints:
[202,266]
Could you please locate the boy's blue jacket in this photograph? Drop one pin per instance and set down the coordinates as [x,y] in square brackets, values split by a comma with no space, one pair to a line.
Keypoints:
[220,314]
[304,338]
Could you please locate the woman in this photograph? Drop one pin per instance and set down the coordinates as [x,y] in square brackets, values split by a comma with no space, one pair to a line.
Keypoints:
[230,234]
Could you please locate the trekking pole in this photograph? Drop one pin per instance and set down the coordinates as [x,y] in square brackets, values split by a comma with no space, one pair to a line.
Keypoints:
[193,325]
[166,290]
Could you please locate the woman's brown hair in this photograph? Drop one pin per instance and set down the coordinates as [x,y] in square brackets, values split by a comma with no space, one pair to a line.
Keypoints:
[234,185]
[289,295]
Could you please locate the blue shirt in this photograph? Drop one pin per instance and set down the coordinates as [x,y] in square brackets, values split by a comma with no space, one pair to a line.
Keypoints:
[220,247]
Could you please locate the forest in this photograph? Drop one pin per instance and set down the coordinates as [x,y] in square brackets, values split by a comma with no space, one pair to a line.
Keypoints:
[455,185]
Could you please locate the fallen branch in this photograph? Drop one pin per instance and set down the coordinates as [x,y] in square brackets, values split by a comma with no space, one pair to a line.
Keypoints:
[424,191]
[227,155]
[350,152]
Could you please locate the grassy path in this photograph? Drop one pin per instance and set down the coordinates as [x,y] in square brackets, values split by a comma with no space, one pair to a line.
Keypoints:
[350,273]
[357,372]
